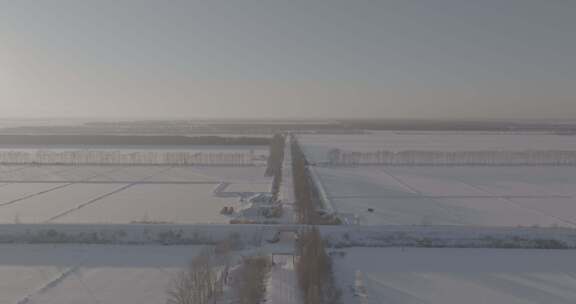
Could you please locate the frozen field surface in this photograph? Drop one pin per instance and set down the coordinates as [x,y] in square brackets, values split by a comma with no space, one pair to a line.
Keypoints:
[442,275]
[485,196]
[132,173]
[157,203]
[317,146]
[76,274]
[40,208]
[124,194]
[248,187]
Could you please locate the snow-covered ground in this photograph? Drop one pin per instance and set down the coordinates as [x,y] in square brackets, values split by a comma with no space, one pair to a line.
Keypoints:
[475,276]
[23,174]
[83,274]
[40,208]
[484,196]
[335,236]
[396,206]
[156,203]
[282,287]
[316,146]
[123,194]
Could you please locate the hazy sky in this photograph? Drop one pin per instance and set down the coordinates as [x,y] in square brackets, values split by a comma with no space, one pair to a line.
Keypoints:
[309,58]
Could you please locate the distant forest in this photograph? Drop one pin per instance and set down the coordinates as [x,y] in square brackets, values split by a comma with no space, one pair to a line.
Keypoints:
[129,140]
[211,130]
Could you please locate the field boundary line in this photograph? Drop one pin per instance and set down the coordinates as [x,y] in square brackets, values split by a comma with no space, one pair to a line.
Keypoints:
[51,284]
[35,194]
[521,206]
[90,202]
[105,195]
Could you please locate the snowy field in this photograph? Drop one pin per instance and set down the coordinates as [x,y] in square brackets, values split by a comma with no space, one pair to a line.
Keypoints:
[316,146]
[449,195]
[154,203]
[483,196]
[73,274]
[475,276]
[123,194]
[30,173]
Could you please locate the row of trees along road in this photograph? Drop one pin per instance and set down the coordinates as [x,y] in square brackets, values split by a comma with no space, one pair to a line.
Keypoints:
[275,161]
[314,270]
[119,157]
[336,157]
[208,276]
[307,200]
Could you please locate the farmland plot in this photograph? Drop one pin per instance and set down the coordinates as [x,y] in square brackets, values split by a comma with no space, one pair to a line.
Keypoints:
[500,180]
[75,274]
[11,193]
[124,194]
[61,173]
[26,173]
[486,196]
[133,173]
[136,173]
[234,174]
[449,275]
[248,187]
[42,208]
[155,203]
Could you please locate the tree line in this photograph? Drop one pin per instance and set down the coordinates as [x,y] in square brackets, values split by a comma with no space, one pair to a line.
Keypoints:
[438,158]
[200,283]
[305,201]
[305,192]
[250,287]
[314,269]
[210,277]
[153,140]
[275,160]
[126,157]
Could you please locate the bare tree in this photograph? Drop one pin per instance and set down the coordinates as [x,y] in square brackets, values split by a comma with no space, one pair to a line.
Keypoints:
[251,286]
[199,284]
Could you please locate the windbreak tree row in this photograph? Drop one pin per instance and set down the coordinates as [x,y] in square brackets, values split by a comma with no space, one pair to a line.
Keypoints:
[314,270]
[250,287]
[337,157]
[213,277]
[307,198]
[305,202]
[275,160]
[123,140]
[94,157]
